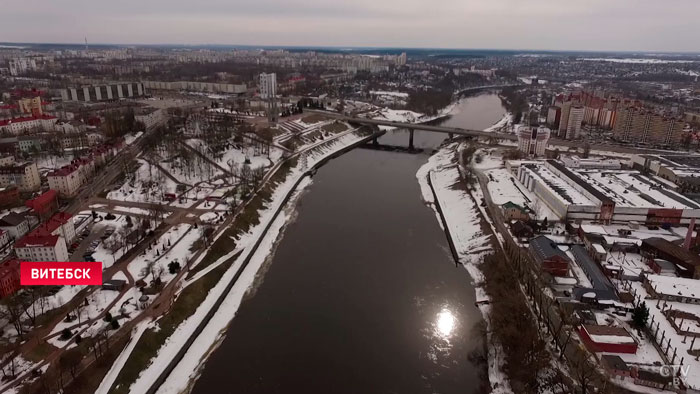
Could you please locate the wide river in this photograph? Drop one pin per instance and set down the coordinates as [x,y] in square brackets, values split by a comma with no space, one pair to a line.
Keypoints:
[362,294]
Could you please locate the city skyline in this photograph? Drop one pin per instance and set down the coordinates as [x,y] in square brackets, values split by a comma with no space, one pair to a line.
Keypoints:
[540,24]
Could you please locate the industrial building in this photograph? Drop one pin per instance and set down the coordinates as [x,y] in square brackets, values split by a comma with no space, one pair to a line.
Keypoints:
[605,195]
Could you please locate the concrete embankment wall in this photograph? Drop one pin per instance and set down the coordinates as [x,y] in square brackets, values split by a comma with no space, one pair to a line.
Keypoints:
[438,208]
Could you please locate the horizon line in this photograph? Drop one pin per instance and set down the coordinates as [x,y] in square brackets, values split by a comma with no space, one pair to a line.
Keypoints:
[350,47]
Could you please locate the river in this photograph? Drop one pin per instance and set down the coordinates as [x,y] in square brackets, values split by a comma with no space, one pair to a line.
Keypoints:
[362,294]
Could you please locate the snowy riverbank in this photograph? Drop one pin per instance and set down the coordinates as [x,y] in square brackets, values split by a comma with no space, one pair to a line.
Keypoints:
[255,247]
[438,178]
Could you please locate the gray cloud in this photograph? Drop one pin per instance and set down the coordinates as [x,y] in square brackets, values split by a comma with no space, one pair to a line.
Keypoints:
[532,24]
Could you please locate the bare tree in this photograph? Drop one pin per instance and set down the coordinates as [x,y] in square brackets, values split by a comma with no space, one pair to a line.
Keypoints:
[80,308]
[583,371]
[113,244]
[15,308]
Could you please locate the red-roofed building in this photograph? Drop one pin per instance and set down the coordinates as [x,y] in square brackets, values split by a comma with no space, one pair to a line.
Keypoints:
[41,248]
[9,277]
[45,204]
[68,179]
[19,125]
[22,93]
[607,339]
[60,224]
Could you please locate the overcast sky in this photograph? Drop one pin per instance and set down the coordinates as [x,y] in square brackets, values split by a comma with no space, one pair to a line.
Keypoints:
[635,25]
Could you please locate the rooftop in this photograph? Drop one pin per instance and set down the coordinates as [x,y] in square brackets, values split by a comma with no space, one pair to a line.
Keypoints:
[49,226]
[11,219]
[6,122]
[29,241]
[9,266]
[602,286]
[673,250]
[673,286]
[544,248]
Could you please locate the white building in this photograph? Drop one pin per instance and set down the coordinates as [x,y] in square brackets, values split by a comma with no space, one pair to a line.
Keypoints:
[209,87]
[268,85]
[4,238]
[15,225]
[573,125]
[42,248]
[151,117]
[68,179]
[19,125]
[60,224]
[23,175]
[598,162]
[533,140]
[21,65]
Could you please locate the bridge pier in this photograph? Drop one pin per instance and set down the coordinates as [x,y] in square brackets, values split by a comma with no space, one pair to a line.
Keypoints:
[410,140]
[375,141]
[449,135]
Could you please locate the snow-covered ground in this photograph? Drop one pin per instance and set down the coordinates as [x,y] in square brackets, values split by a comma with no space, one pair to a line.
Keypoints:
[462,217]
[504,125]
[677,341]
[98,301]
[132,137]
[164,251]
[21,365]
[235,155]
[148,185]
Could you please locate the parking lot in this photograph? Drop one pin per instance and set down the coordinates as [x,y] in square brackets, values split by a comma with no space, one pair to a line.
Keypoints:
[87,240]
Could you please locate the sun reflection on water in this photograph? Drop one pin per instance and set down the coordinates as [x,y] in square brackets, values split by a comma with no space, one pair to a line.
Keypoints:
[445,323]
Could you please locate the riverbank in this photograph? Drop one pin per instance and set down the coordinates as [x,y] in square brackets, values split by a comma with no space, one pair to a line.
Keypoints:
[445,192]
[253,248]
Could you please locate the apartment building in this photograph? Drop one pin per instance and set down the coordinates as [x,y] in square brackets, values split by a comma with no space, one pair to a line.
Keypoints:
[533,140]
[68,179]
[41,248]
[15,225]
[24,175]
[17,126]
[574,121]
[647,127]
[60,224]
[114,91]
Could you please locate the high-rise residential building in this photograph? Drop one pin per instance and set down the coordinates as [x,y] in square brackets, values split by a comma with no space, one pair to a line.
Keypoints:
[553,116]
[268,85]
[533,140]
[644,126]
[21,65]
[401,59]
[564,118]
[113,91]
[573,127]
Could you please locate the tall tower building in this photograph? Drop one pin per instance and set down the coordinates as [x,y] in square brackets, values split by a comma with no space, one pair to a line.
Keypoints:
[564,119]
[573,127]
[268,92]
[268,85]
[533,140]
